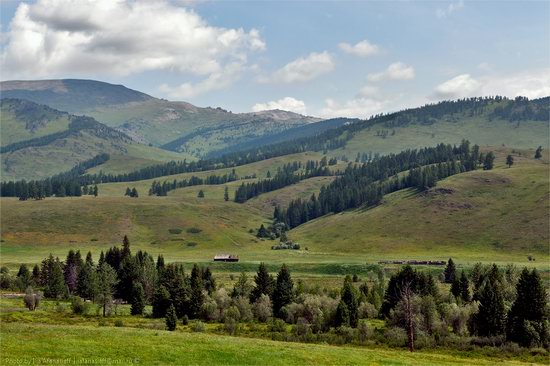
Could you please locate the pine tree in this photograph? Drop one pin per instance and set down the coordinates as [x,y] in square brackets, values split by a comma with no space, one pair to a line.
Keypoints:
[128,192]
[509,161]
[208,281]
[282,294]
[161,302]
[134,193]
[87,286]
[262,232]
[264,284]
[171,318]
[107,280]
[342,316]
[138,299]
[95,191]
[455,288]
[201,194]
[450,271]
[349,297]
[528,317]
[538,152]
[55,283]
[197,297]
[24,277]
[36,275]
[490,319]
[464,288]
[489,160]
[226,194]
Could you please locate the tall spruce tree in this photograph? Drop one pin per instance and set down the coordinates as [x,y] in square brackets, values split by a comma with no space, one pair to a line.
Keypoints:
[106,283]
[342,317]
[538,152]
[528,317]
[171,318]
[197,297]
[282,294]
[509,160]
[87,286]
[264,283]
[349,297]
[226,194]
[490,320]
[464,288]
[161,302]
[450,271]
[138,299]
[55,284]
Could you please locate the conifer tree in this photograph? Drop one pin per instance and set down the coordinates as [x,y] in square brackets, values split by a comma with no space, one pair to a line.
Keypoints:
[107,280]
[197,297]
[538,152]
[138,299]
[201,194]
[161,302]
[455,288]
[209,282]
[509,161]
[282,294]
[264,283]
[489,160]
[528,317]
[128,192]
[491,317]
[171,318]
[450,271]
[87,286]
[349,297]
[96,192]
[342,316]
[134,193]
[464,288]
[55,284]
[226,194]
[36,275]
[24,277]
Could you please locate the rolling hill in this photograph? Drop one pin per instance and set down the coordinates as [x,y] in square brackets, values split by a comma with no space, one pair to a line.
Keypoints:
[177,126]
[38,141]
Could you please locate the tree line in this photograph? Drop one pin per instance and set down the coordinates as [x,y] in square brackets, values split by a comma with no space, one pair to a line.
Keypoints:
[159,189]
[366,184]
[283,178]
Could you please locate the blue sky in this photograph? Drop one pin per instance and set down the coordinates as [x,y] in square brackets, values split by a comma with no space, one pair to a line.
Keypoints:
[320,58]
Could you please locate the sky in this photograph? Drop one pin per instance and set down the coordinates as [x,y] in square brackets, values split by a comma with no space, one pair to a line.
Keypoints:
[320,58]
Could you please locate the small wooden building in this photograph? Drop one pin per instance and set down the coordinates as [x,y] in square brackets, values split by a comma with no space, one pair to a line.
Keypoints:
[226,258]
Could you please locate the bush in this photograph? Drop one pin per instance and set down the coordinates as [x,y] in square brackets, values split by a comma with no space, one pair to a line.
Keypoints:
[185,320]
[347,333]
[363,331]
[277,325]
[175,231]
[197,326]
[301,328]
[263,308]
[395,337]
[194,230]
[230,326]
[119,323]
[209,310]
[367,311]
[245,310]
[79,306]
[232,313]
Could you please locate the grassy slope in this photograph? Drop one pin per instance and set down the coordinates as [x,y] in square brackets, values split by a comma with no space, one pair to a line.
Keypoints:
[12,130]
[529,134]
[498,215]
[28,341]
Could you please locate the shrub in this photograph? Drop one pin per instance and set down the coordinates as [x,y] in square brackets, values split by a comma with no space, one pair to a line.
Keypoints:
[209,310]
[175,231]
[79,306]
[171,318]
[277,325]
[395,337]
[197,326]
[233,313]
[119,323]
[191,244]
[185,320]
[263,308]
[347,333]
[245,311]
[363,331]
[230,326]
[367,311]
[194,230]
[301,328]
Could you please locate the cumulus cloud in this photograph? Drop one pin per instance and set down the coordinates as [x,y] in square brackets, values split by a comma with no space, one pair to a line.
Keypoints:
[460,86]
[359,107]
[285,104]
[52,38]
[451,8]
[531,84]
[302,69]
[362,49]
[396,71]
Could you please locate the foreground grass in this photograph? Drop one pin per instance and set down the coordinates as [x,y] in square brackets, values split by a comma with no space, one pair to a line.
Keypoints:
[108,345]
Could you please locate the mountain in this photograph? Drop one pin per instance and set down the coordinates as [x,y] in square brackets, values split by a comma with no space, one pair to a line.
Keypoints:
[38,141]
[177,126]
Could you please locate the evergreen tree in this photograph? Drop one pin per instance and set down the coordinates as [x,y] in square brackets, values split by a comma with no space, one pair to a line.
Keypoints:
[106,280]
[455,288]
[509,161]
[464,288]
[226,194]
[55,283]
[201,194]
[282,294]
[24,277]
[450,271]
[538,152]
[349,297]
[528,317]
[209,283]
[36,275]
[87,285]
[138,299]
[128,192]
[89,259]
[490,319]
[262,232]
[264,284]
[161,302]
[134,193]
[197,297]
[489,160]
[95,191]
[171,318]
[342,316]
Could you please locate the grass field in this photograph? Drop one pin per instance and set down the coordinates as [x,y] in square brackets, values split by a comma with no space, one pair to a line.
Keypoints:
[52,334]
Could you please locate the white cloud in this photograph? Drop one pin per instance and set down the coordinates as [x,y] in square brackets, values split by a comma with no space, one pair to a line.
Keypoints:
[359,107]
[531,84]
[362,49]
[369,91]
[285,104]
[302,69]
[460,86]
[396,71]
[451,8]
[53,38]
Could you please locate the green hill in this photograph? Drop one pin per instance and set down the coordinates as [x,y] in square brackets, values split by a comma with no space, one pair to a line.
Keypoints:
[38,141]
[176,126]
